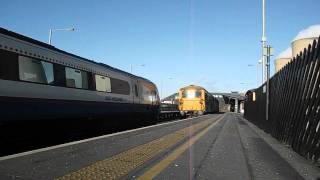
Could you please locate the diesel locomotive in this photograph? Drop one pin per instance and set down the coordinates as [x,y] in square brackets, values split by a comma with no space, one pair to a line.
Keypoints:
[197,101]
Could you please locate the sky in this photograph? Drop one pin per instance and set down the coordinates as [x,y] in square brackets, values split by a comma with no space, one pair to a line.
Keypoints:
[173,43]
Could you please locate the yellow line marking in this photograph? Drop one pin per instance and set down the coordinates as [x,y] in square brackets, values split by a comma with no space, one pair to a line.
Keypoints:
[156,169]
[121,164]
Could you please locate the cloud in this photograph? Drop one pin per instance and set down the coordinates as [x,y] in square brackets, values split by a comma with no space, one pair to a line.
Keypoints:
[310,32]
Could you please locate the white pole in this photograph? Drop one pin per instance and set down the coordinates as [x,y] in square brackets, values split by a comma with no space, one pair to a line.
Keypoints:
[51,31]
[263,40]
[263,20]
[257,74]
[161,89]
[50,34]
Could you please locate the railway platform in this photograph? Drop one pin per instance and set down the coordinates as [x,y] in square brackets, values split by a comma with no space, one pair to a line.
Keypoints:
[214,146]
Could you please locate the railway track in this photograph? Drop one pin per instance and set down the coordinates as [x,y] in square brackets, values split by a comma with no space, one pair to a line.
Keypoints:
[26,140]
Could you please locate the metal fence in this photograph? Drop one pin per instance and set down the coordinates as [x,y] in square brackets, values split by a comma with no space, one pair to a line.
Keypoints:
[294,108]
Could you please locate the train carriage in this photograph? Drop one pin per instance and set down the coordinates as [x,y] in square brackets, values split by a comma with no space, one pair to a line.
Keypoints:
[41,82]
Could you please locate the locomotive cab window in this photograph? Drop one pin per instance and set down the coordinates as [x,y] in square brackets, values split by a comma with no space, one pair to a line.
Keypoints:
[184,95]
[198,94]
[147,93]
[102,83]
[76,78]
[191,93]
[33,70]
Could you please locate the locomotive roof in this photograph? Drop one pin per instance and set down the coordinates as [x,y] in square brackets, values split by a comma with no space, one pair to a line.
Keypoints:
[193,86]
[48,46]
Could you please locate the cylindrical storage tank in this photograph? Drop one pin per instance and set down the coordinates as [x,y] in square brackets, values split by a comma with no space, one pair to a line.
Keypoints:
[304,38]
[282,59]
[300,44]
[280,63]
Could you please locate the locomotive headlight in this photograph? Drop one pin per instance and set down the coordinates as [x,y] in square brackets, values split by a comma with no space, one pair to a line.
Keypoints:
[191,93]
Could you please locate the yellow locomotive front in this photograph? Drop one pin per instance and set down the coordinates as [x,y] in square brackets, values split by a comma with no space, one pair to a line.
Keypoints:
[192,100]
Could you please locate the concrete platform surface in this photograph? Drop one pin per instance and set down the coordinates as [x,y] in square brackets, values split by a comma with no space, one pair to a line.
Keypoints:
[215,146]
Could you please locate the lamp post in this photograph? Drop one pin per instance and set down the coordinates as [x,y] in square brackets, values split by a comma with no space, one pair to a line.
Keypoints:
[169,78]
[263,41]
[131,67]
[246,85]
[257,66]
[52,30]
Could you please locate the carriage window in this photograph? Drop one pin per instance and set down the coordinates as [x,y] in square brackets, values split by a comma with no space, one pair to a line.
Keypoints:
[76,78]
[35,71]
[119,86]
[102,83]
[8,65]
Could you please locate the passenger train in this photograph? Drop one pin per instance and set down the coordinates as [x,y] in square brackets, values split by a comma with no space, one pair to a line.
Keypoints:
[41,82]
[196,100]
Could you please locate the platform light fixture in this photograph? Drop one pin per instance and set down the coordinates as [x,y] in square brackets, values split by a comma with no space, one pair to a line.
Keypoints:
[257,69]
[131,67]
[162,84]
[63,29]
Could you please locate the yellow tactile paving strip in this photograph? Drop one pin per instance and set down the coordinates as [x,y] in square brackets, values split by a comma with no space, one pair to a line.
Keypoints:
[121,164]
[164,163]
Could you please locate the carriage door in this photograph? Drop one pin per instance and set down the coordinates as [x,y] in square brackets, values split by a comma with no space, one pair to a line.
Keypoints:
[136,92]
